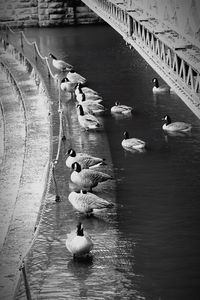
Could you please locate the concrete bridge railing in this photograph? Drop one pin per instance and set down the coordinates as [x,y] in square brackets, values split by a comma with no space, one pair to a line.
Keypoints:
[172,56]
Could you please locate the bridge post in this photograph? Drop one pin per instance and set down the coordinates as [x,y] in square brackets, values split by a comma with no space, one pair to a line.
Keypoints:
[130,26]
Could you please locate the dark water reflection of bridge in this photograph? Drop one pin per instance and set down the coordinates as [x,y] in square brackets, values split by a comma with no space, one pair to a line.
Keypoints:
[147,246]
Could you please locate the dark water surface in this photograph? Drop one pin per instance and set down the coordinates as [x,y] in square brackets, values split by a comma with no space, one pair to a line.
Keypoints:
[147,247]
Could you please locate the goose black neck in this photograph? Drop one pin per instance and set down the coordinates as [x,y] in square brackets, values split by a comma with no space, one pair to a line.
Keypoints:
[126,135]
[168,120]
[64,80]
[79,87]
[156,83]
[83,95]
[81,110]
[72,153]
[53,56]
[76,167]
[80,230]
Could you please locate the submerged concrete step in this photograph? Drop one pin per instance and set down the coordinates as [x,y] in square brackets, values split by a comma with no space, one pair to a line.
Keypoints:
[13,150]
[26,155]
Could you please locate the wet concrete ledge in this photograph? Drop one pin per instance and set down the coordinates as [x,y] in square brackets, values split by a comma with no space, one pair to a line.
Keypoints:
[24,169]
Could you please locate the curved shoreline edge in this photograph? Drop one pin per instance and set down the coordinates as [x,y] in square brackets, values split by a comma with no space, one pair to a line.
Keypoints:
[32,186]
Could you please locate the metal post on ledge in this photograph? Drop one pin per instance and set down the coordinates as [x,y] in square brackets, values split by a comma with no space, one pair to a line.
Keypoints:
[35,52]
[21,39]
[57,199]
[27,288]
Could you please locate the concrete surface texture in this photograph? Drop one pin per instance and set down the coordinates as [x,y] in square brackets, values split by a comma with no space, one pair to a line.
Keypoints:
[24,163]
[182,16]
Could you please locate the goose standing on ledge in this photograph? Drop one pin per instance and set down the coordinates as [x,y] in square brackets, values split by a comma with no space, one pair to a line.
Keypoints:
[132,143]
[78,242]
[175,126]
[87,121]
[67,86]
[86,202]
[89,91]
[87,178]
[75,77]
[82,95]
[85,160]
[121,109]
[160,89]
[60,64]
[90,105]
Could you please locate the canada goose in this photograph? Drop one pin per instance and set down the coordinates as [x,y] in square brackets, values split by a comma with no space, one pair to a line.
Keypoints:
[90,105]
[87,178]
[85,160]
[175,126]
[81,95]
[159,89]
[90,91]
[132,143]
[67,86]
[78,89]
[60,64]
[78,242]
[75,77]
[86,202]
[122,109]
[87,121]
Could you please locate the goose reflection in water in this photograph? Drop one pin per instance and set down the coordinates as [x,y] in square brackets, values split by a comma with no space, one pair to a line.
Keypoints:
[168,134]
[80,269]
[134,150]
[119,117]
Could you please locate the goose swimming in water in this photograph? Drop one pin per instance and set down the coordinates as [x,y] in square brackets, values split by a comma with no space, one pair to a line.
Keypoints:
[87,178]
[121,109]
[132,143]
[86,202]
[60,64]
[85,160]
[78,242]
[159,89]
[87,121]
[75,77]
[175,126]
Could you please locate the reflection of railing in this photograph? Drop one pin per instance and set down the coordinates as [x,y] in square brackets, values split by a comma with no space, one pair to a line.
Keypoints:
[29,56]
[173,58]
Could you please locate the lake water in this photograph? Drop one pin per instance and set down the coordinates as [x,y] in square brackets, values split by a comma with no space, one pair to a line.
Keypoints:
[147,246]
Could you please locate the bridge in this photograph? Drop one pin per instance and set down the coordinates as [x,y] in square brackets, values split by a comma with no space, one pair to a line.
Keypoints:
[170,43]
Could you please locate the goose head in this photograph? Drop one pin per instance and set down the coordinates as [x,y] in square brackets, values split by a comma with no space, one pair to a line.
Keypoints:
[79,87]
[71,152]
[167,119]
[65,79]
[80,229]
[126,135]
[76,167]
[81,111]
[52,56]
[117,103]
[83,192]
[155,82]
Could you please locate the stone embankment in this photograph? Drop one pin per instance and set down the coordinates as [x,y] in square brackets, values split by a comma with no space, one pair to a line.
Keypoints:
[25,154]
[46,13]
